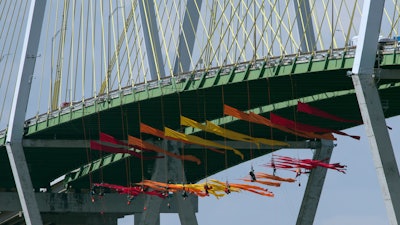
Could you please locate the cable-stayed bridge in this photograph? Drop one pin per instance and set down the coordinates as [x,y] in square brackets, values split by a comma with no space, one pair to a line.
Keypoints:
[84,67]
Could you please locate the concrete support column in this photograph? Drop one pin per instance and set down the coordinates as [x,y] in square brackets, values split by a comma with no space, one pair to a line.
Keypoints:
[138,218]
[371,108]
[82,218]
[15,132]
[315,184]
[168,170]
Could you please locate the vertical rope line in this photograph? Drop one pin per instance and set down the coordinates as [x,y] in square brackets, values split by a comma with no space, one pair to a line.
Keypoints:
[5,18]
[248,36]
[395,22]
[291,33]
[262,30]
[185,38]
[100,152]
[165,150]
[50,102]
[208,47]
[183,148]
[205,136]
[74,77]
[43,64]
[249,124]
[125,135]
[70,68]
[223,103]
[84,48]
[88,151]
[60,62]
[291,40]
[275,33]
[152,41]
[92,19]
[141,152]
[281,24]
[2,55]
[5,30]
[208,33]
[104,49]
[268,21]
[338,16]
[172,41]
[232,32]
[319,26]
[140,45]
[135,51]
[350,23]
[240,24]
[269,102]
[127,45]
[115,46]
[164,42]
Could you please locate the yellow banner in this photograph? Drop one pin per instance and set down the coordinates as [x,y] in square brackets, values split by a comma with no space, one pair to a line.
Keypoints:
[199,141]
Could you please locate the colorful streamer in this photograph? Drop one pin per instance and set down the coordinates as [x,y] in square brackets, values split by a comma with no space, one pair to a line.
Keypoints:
[303,107]
[255,118]
[215,129]
[140,144]
[158,133]
[296,125]
[285,162]
[199,141]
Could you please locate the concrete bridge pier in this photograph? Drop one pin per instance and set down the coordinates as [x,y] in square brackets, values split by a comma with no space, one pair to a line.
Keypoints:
[82,218]
[168,169]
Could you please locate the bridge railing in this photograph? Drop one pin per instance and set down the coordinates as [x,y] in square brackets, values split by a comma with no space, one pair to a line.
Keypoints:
[268,62]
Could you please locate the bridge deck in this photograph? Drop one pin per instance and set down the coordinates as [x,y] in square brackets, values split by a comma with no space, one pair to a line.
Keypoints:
[319,79]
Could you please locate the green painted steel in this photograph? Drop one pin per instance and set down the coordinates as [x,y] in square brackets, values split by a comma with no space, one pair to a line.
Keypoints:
[274,84]
[216,77]
[284,67]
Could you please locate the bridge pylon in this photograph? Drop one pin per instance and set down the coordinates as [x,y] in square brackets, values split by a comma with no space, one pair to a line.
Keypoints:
[371,108]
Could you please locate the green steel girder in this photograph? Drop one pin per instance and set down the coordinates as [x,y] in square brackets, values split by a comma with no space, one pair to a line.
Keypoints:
[292,68]
[286,104]
[201,86]
[107,160]
[235,76]
[93,166]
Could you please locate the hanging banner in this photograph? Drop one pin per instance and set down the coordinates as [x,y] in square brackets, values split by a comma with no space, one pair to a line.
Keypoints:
[215,129]
[158,133]
[303,107]
[140,144]
[295,125]
[199,141]
[255,118]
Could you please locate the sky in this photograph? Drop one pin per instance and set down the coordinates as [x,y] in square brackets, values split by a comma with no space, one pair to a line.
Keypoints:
[343,200]
[346,199]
